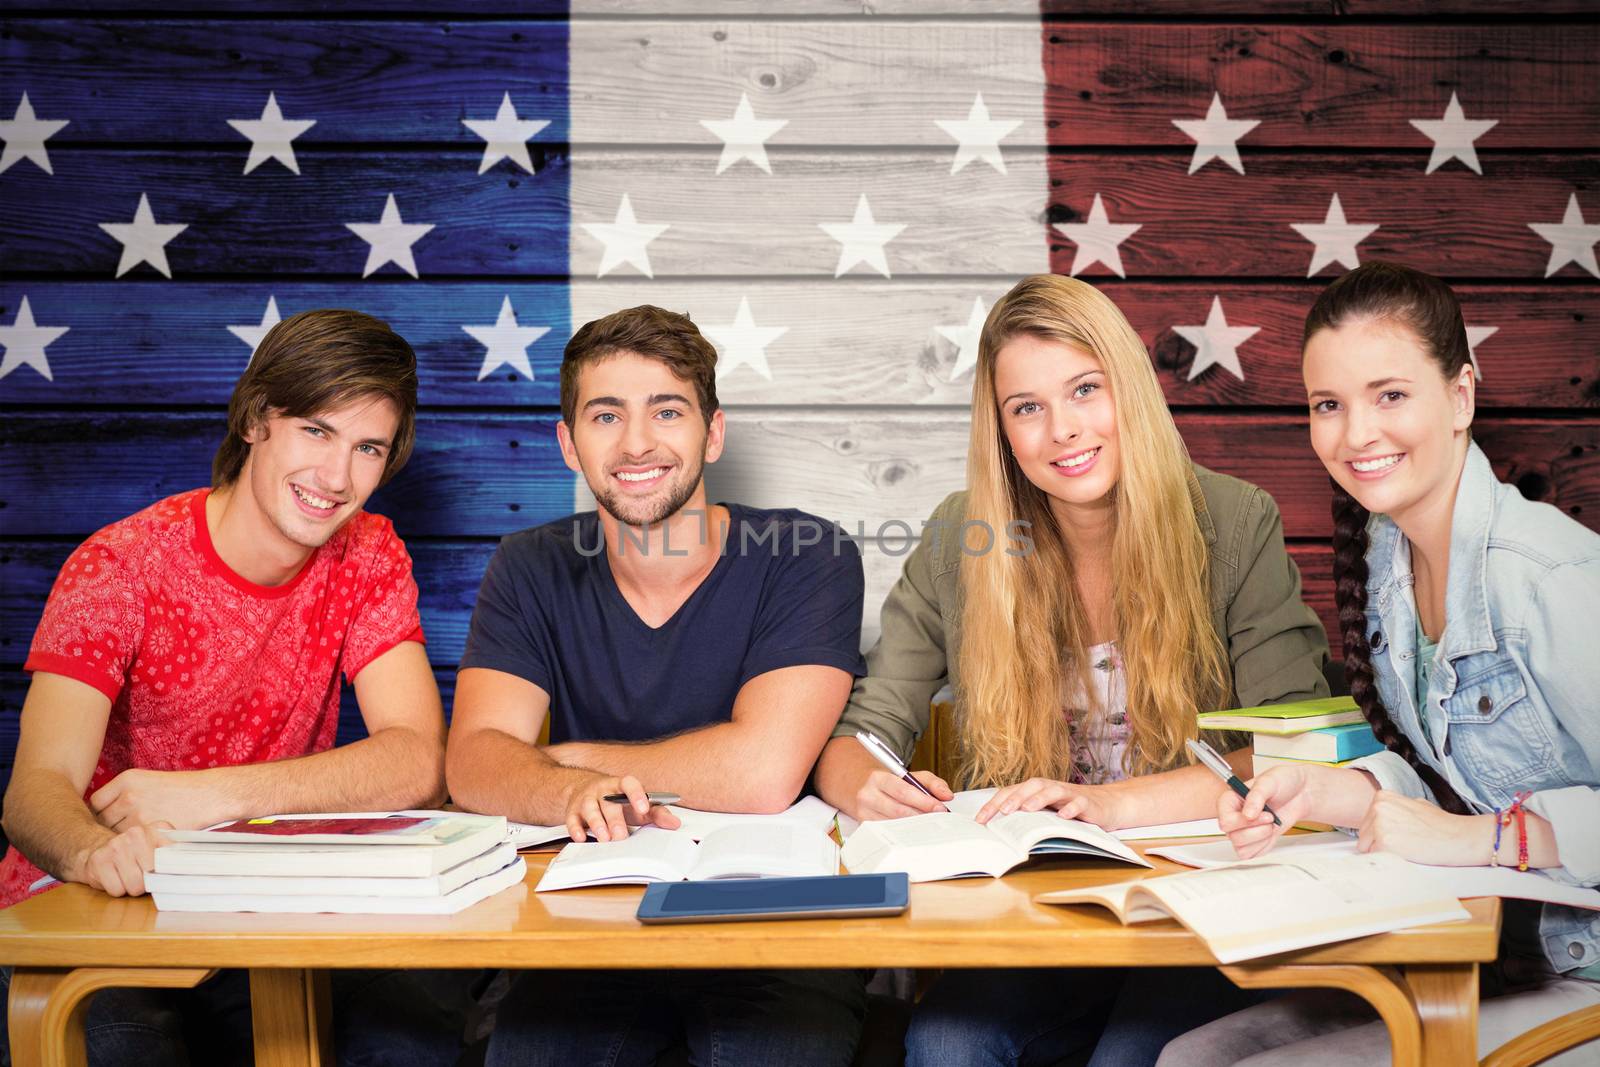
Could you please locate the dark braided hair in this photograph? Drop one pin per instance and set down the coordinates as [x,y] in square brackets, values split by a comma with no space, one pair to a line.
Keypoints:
[1426,307]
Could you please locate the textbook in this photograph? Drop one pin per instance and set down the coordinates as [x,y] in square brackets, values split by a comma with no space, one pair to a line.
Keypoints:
[449,903]
[447,881]
[1294,718]
[1331,744]
[776,848]
[388,851]
[1270,905]
[1454,881]
[1260,763]
[939,845]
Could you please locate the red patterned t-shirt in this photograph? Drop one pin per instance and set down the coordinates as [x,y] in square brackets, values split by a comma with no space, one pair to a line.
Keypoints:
[203,667]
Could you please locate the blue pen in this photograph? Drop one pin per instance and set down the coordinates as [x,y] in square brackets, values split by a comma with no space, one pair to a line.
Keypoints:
[1219,766]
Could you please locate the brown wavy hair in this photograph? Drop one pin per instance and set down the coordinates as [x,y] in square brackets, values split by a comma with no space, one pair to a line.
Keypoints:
[646,330]
[1022,625]
[313,362]
[1428,310]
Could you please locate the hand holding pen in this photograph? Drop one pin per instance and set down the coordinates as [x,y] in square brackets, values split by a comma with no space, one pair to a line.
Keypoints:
[905,794]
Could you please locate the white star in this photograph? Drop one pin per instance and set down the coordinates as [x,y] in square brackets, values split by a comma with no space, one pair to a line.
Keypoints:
[25,343]
[626,239]
[743,342]
[978,136]
[252,335]
[25,136]
[1216,136]
[1453,136]
[1216,342]
[1335,238]
[391,239]
[1097,239]
[506,136]
[270,136]
[144,240]
[744,136]
[1476,335]
[862,239]
[507,343]
[1571,240]
[965,338]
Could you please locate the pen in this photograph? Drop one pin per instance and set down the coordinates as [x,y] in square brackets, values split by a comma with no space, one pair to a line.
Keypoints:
[1203,752]
[883,755]
[656,799]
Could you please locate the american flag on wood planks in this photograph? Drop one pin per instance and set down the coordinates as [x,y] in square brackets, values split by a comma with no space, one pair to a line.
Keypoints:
[835,191]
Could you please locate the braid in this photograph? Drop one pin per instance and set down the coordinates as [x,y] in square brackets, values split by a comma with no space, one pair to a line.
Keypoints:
[1350,593]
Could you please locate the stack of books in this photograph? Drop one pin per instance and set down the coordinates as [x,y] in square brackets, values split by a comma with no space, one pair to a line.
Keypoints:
[1330,731]
[421,863]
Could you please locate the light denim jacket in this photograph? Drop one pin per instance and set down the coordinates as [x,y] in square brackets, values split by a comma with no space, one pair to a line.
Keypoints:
[1514,702]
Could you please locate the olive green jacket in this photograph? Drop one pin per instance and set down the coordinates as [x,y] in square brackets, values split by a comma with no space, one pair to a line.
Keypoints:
[1275,644]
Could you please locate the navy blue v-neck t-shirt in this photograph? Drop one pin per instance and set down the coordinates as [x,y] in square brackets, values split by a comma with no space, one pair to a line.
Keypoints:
[786,592]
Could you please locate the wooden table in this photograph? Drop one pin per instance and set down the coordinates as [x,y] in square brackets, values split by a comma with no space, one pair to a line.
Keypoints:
[71,941]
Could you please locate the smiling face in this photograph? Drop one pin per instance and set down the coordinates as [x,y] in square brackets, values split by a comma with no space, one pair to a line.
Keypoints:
[639,438]
[1058,417]
[1384,421]
[305,477]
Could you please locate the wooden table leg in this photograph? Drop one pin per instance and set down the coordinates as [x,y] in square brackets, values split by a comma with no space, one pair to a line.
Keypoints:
[291,1012]
[1382,987]
[1446,996]
[48,1005]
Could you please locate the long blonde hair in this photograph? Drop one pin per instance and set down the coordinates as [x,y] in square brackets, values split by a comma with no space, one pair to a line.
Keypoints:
[1024,631]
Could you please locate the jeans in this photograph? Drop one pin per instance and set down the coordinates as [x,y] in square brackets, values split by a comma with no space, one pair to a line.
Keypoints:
[380,1019]
[612,1018]
[1037,1016]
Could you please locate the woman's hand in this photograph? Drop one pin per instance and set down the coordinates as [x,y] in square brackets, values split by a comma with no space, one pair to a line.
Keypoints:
[1288,791]
[1423,833]
[1092,803]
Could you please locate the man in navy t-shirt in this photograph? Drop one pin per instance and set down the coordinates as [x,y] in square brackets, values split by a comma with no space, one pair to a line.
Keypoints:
[701,649]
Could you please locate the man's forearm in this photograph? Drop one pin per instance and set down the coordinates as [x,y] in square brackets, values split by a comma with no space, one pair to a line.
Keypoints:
[395,768]
[724,767]
[49,823]
[491,771]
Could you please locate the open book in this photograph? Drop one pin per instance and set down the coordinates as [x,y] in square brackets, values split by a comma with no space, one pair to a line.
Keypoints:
[650,854]
[1454,881]
[1265,906]
[951,845]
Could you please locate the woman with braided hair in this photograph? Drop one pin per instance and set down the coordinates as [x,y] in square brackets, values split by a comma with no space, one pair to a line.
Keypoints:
[1466,613]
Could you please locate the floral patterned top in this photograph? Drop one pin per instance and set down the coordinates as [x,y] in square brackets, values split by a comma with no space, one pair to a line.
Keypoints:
[1099,736]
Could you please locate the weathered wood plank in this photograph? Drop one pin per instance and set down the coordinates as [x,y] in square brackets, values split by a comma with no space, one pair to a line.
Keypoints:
[1449,223]
[869,466]
[847,342]
[274,222]
[1328,86]
[746,223]
[1056,10]
[362,82]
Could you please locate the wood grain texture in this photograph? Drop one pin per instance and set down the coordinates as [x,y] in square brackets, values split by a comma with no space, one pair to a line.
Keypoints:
[1547,1039]
[291,1014]
[974,922]
[865,469]
[1208,223]
[1056,10]
[1384,988]
[1328,86]
[367,82]
[48,1007]
[964,224]
[147,342]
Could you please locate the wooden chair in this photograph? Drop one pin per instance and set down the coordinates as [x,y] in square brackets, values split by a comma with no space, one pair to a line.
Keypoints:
[1542,1042]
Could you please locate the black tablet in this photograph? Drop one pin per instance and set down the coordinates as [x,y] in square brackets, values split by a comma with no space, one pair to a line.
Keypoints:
[734,899]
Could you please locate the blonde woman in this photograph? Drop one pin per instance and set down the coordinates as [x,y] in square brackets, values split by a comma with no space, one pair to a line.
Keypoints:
[1090,592]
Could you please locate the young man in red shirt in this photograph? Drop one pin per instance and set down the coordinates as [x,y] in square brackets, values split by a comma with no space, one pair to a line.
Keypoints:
[187,666]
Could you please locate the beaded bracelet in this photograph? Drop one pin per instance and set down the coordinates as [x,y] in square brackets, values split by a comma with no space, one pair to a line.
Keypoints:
[1516,809]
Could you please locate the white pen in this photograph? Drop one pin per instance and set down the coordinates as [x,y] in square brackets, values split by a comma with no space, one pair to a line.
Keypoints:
[883,755]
